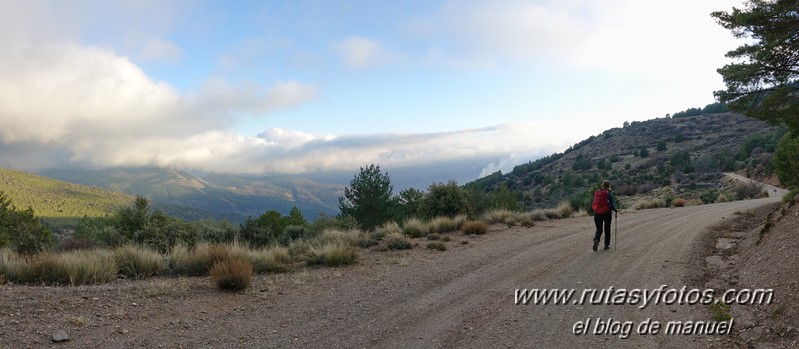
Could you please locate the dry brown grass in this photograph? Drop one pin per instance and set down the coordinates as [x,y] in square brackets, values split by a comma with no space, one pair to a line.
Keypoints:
[233,274]
[474,227]
[678,202]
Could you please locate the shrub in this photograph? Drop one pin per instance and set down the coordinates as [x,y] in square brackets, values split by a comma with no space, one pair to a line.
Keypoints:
[443,225]
[415,228]
[474,227]
[233,274]
[138,261]
[649,205]
[387,228]
[709,196]
[510,221]
[331,254]
[12,266]
[445,200]
[433,236]
[45,268]
[437,246]
[75,244]
[527,221]
[274,259]
[89,267]
[446,239]
[678,202]
[397,242]
[293,232]
[347,237]
[538,215]
[565,209]
[748,190]
[199,261]
[498,216]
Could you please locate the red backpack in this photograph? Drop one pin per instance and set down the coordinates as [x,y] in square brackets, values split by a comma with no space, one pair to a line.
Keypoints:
[601,203]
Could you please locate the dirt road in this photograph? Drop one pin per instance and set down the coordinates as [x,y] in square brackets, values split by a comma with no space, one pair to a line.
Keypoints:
[460,298]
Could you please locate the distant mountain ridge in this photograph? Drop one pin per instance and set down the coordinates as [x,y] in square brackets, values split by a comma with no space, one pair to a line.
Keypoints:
[233,197]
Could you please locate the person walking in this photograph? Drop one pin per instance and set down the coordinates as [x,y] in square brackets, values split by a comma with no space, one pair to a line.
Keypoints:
[603,205]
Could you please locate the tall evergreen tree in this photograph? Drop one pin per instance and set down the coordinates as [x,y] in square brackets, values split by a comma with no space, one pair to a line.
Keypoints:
[764,80]
[369,198]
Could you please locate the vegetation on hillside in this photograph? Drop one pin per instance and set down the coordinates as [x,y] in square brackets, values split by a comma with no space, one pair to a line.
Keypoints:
[685,153]
[57,200]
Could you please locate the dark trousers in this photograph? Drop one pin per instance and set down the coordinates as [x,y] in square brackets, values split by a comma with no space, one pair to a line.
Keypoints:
[603,220]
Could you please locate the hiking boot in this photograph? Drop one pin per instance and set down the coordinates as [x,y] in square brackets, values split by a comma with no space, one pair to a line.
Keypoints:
[607,247]
[596,243]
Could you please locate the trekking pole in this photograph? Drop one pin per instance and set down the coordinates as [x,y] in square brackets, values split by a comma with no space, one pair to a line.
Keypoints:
[616,239]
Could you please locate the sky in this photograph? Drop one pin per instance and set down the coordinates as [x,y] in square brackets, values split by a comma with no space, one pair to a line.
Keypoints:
[308,86]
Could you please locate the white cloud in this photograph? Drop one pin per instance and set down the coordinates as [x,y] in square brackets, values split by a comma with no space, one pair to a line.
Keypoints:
[361,53]
[102,109]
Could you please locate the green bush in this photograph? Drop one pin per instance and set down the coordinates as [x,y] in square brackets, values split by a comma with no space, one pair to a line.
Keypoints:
[445,200]
[786,160]
[709,196]
[21,230]
[439,246]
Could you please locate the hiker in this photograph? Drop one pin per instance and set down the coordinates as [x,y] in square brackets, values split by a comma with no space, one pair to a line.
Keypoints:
[603,205]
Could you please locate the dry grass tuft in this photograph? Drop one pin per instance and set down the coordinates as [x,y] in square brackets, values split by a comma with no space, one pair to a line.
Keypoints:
[137,261]
[415,228]
[397,242]
[331,254]
[233,274]
[678,202]
[474,227]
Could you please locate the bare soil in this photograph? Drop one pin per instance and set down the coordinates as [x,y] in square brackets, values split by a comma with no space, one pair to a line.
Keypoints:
[462,297]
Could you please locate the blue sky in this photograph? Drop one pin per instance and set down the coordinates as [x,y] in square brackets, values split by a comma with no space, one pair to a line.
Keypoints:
[313,86]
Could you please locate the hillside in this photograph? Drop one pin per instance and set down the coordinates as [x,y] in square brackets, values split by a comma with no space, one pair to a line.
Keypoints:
[233,197]
[642,156]
[58,200]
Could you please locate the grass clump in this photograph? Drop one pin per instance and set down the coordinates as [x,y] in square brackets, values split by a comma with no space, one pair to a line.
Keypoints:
[474,227]
[538,215]
[274,259]
[433,236]
[446,239]
[385,229]
[72,268]
[12,266]
[199,261]
[678,202]
[232,274]
[565,209]
[397,242]
[438,246]
[331,254]
[499,216]
[89,267]
[415,228]
[446,224]
[137,261]
[650,204]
